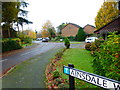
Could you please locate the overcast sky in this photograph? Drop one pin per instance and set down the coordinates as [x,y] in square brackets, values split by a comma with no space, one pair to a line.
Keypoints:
[80,12]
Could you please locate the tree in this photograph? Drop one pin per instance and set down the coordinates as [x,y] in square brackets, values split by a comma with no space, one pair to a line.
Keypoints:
[30,33]
[45,33]
[67,42]
[80,35]
[60,27]
[106,14]
[21,20]
[47,29]
[9,14]
[51,32]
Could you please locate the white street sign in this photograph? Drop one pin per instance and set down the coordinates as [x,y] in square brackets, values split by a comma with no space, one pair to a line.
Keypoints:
[93,78]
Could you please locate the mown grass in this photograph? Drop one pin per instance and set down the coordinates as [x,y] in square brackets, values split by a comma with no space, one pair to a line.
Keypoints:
[81,59]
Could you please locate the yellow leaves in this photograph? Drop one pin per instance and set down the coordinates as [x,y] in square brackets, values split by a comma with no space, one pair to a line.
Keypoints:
[30,33]
[106,13]
[45,28]
[45,33]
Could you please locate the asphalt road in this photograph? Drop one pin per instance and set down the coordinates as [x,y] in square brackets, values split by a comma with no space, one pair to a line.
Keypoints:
[12,60]
[31,64]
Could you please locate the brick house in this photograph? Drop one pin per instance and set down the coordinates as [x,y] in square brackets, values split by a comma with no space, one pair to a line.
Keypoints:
[112,26]
[89,29]
[70,30]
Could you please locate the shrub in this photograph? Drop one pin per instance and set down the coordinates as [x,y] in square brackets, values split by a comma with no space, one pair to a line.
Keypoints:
[63,85]
[93,46]
[25,39]
[9,45]
[58,38]
[80,35]
[107,60]
[56,74]
[67,42]
[71,38]
[87,46]
[17,40]
[98,42]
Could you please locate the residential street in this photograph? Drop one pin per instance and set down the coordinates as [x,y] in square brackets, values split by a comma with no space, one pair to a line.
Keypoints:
[12,60]
[31,72]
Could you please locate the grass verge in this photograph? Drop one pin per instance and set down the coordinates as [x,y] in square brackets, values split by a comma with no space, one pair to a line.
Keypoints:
[82,60]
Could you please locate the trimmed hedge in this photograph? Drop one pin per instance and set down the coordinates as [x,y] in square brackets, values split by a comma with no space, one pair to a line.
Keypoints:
[11,44]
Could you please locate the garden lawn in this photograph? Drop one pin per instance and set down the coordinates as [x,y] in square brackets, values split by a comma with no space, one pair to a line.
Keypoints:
[81,59]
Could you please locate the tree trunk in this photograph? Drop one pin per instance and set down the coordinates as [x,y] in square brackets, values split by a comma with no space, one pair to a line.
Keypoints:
[18,29]
[22,28]
[9,30]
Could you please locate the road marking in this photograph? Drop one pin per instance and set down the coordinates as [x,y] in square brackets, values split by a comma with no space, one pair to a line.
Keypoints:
[29,52]
[3,60]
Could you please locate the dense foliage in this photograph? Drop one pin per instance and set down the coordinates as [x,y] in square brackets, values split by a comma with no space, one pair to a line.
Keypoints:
[106,14]
[71,38]
[107,58]
[67,42]
[25,39]
[30,33]
[60,27]
[80,35]
[9,14]
[11,44]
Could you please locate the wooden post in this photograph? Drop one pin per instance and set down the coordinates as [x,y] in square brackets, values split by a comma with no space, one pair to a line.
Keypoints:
[71,79]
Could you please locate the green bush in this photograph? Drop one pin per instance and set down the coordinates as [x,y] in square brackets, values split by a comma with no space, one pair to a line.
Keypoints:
[87,46]
[107,59]
[64,86]
[56,74]
[80,35]
[71,38]
[93,46]
[9,45]
[25,39]
[67,42]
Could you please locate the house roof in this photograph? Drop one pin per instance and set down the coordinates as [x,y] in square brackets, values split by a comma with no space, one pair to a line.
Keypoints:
[111,26]
[71,24]
[89,25]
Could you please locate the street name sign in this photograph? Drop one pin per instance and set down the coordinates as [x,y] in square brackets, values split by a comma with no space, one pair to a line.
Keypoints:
[92,78]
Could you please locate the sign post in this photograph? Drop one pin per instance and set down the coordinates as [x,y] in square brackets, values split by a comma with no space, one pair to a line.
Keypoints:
[90,78]
[71,79]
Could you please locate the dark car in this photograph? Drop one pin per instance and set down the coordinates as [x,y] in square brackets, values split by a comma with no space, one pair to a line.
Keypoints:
[44,40]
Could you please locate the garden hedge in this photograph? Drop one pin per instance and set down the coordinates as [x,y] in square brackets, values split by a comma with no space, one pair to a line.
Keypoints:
[11,44]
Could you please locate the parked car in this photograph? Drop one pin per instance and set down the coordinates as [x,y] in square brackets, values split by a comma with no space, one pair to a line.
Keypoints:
[39,39]
[90,39]
[61,40]
[44,40]
[47,38]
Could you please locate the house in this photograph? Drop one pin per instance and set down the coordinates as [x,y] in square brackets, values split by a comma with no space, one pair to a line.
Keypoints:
[112,26]
[70,30]
[89,29]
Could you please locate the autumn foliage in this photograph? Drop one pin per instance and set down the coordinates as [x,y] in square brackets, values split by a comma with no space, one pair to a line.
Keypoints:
[106,14]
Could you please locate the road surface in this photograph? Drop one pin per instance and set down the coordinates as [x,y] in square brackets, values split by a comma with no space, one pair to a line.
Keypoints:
[31,72]
[12,60]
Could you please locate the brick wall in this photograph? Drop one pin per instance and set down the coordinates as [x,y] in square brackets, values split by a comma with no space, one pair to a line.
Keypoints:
[89,29]
[69,30]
